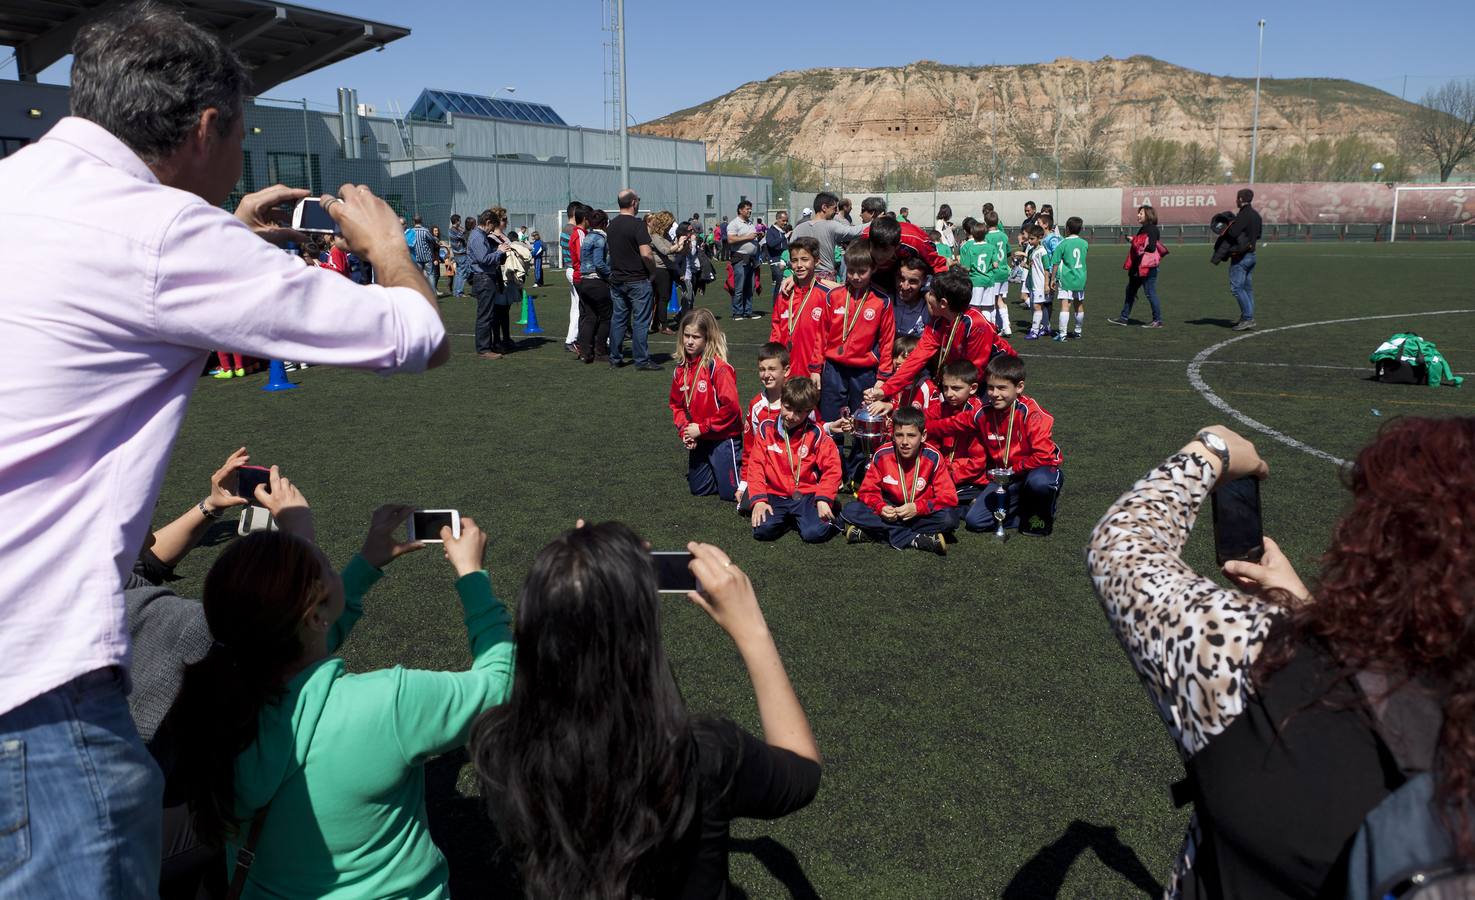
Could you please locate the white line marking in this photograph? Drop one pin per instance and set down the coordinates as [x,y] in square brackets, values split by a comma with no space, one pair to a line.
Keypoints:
[1196,380]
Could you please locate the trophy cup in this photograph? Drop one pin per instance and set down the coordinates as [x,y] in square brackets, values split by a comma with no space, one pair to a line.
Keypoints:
[1000,479]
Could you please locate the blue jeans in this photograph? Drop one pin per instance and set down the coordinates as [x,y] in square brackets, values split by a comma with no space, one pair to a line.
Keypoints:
[81,799]
[1242,284]
[743,268]
[1028,503]
[1149,284]
[715,467]
[900,534]
[841,386]
[632,310]
[802,514]
[459,281]
[429,269]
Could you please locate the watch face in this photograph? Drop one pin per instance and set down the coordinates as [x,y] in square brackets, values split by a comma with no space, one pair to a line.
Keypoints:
[1214,441]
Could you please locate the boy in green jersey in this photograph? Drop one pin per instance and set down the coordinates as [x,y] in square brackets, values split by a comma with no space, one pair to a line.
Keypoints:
[1068,262]
[971,257]
[996,256]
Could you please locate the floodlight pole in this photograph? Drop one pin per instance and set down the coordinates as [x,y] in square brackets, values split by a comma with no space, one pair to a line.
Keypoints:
[1255,128]
[624,100]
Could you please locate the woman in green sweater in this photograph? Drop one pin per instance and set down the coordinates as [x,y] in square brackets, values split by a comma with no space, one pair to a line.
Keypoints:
[271,724]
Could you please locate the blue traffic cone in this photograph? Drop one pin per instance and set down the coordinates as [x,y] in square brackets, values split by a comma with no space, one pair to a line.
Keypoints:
[675,306]
[522,319]
[278,378]
[532,324]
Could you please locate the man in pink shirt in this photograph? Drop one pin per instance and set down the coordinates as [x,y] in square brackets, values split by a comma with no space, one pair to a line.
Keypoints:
[98,365]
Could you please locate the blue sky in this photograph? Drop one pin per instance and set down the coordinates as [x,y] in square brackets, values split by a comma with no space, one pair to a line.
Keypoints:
[682,53]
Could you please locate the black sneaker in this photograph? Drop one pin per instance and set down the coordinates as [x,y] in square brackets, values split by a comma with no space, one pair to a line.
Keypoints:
[931,543]
[649,367]
[1244,325]
[855,535]
[1121,321]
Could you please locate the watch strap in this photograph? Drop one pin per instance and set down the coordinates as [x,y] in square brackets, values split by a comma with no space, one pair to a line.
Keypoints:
[1222,453]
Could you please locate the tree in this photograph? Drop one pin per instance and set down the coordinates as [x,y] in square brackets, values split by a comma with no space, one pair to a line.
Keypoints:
[1444,126]
[1154,160]
[1197,164]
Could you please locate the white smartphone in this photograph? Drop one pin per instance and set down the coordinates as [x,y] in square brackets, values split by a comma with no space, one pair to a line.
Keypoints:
[311,217]
[673,572]
[255,518]
[425,525]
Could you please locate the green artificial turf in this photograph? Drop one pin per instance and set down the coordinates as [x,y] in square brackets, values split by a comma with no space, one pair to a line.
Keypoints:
[982,730]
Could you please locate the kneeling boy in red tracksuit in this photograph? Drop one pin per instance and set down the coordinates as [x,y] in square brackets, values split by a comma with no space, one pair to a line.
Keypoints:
[797,472]
[1016,435]
[907,498]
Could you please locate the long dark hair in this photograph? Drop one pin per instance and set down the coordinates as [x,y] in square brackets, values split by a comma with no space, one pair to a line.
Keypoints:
[589,768]
[1394,595]
[256,596]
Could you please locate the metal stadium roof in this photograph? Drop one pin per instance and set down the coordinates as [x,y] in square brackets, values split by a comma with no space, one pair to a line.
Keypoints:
[432,106]
[278,41]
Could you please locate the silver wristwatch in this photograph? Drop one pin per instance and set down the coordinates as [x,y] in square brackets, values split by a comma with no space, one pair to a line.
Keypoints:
[1217,444]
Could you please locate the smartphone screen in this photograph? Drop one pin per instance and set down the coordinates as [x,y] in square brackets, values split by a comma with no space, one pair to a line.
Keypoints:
[1237,528]
[425,524]
[247,479]
[312,217]
[672,574]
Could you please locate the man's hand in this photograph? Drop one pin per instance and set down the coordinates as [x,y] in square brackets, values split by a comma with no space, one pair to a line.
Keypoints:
[814,377]
[825,512]
[692,432]
[369,225]
[223,483]
[760,513]
[287,505]
[1273,572]
[466,552]
[380,548]
[873,394]
[256,211]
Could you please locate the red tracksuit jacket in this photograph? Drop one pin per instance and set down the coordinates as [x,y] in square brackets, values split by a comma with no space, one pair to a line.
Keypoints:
[932,483]
[575,240]
[972,338]
[759,411]
[955,433]
[706,393]
[805,334]
[811,451]
[1033,446]
[914,243]
[861,330]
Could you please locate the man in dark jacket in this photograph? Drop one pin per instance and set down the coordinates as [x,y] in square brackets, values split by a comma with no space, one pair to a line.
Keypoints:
[1238,244]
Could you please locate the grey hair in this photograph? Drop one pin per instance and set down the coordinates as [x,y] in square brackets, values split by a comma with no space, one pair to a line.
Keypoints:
[874,205]
[146,74]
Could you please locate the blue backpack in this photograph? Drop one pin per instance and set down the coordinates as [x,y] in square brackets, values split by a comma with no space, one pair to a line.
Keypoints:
[1402,849]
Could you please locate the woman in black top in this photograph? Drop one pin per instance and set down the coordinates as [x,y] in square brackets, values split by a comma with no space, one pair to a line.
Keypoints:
[1268,690]
[1139,274]
[600,781]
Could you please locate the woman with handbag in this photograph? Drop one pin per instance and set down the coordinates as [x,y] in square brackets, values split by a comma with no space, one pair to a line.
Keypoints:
[1144,256]
[312,778]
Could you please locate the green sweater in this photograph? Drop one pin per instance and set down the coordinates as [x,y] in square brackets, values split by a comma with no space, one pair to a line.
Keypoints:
[341,760]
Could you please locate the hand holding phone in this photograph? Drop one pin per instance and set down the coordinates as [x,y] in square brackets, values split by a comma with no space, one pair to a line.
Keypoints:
[426,524]
[311,217]
[466,549]
[1238,533]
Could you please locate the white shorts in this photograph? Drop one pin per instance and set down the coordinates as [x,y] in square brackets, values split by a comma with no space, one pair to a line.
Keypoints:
[980,295]
[996,293]
[1072,296]
[1039,298]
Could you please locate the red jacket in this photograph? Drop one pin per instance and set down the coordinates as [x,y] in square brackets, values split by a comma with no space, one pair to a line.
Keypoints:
[932,483]
[759,411]
[914,242]
[861,330]
[811,450]
[706,393]
[1032,446]
[806,340]
[970,336]
[956,434]
[575,239]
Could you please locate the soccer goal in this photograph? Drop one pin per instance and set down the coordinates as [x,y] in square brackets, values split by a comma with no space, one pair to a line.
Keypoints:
[1432,204]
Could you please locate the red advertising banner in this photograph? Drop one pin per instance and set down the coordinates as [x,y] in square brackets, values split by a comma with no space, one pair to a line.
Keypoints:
[1306,204]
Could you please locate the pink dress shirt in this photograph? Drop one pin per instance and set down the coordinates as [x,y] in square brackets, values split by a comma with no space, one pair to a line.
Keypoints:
[97,361]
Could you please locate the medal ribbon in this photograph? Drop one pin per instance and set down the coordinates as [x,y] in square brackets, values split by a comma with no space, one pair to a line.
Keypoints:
[794,315]
[947,348]
[793,463]
[850,320]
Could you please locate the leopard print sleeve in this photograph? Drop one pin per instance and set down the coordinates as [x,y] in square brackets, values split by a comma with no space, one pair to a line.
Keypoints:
[1191,641]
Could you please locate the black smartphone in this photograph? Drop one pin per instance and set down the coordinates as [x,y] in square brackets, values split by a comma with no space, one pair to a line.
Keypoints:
[1237,526]
[425,524]
[672,573]
[247,479]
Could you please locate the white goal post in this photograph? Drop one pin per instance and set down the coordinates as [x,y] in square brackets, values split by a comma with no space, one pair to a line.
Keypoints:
[1399,189]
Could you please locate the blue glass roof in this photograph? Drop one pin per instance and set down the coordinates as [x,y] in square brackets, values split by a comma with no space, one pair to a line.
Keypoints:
[432,106]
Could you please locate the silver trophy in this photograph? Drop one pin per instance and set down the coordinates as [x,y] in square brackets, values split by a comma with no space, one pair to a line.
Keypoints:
[1000,479]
